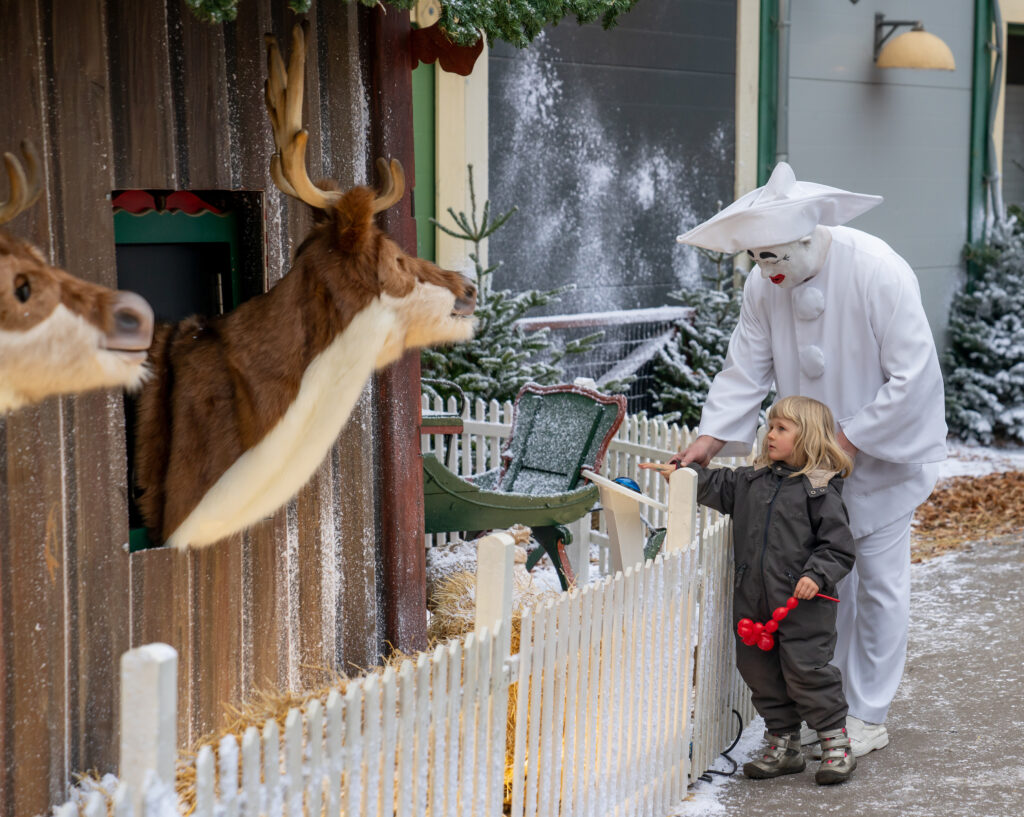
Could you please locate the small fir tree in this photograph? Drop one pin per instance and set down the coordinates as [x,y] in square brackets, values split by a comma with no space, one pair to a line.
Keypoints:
[682,372]
[985,359]
[502,357]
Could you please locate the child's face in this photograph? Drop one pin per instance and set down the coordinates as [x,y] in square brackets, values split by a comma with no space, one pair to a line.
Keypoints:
[780,441]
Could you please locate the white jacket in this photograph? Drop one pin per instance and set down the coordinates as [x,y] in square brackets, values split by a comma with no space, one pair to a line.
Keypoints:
[855,337]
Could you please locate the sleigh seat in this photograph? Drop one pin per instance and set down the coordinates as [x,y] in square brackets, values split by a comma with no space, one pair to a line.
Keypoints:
[557,432]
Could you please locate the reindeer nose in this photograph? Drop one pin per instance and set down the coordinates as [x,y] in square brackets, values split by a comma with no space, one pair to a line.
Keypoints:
[133,323]
[466,303]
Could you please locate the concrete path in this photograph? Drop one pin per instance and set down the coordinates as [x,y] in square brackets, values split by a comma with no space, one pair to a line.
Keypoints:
[956,727]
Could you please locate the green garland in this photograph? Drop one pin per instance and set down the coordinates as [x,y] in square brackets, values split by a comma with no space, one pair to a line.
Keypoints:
[513,21]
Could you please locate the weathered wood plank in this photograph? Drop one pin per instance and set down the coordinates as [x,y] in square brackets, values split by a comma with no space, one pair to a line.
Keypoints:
[398,387]
[33,753]
[216,631]
[316,571]
[98,601]
[141,100]
[207,145]
[344,155]
[161,605]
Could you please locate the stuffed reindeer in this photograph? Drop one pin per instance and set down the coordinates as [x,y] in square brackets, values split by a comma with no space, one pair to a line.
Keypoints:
[244,407]
[59,334]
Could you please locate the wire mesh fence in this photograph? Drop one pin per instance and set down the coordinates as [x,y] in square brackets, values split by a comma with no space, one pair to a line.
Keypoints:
[630,340]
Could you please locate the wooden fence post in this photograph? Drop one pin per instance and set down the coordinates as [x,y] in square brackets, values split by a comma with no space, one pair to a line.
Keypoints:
[149,717]
[682,510]
[494,565]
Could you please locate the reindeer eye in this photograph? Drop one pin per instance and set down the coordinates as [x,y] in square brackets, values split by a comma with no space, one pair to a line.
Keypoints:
[22,289]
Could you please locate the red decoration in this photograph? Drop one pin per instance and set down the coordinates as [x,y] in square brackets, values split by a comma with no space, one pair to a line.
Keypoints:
[189,203]
[431,44]
[754,632]
[134,201]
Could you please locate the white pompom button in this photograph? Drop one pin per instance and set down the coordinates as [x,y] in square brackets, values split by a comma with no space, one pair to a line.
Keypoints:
[808,302]
[812,361]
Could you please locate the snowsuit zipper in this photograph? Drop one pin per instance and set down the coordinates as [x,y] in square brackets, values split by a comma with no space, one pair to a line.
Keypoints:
[765,607]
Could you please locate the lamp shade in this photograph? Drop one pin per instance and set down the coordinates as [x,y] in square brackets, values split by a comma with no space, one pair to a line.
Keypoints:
[916,49]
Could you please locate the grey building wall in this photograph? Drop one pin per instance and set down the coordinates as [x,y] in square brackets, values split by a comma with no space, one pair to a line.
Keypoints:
[611,143]
[900,133]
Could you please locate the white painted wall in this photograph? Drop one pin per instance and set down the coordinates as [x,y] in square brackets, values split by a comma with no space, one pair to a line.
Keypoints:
[899,133]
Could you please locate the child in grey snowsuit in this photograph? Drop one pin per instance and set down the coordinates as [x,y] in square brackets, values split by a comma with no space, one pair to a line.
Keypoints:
[791,538]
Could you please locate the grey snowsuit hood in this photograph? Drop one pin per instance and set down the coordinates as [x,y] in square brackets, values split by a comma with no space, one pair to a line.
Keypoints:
[786,527]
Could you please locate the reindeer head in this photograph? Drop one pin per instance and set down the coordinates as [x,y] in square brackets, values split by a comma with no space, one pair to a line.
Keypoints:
[59,334]
[428,305]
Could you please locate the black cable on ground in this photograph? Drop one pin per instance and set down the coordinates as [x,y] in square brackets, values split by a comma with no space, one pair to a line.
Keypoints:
[706,777]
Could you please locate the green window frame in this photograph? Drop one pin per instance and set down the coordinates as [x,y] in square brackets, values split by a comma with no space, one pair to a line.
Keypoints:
[179,227]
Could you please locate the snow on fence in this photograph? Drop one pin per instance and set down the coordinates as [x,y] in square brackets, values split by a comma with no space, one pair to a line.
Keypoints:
[624,691]
[486,427]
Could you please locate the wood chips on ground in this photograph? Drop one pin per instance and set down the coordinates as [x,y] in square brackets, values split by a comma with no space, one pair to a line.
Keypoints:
[969,509]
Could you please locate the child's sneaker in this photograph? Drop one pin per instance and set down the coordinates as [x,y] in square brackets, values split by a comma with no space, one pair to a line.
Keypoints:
[837,760]
[781,756]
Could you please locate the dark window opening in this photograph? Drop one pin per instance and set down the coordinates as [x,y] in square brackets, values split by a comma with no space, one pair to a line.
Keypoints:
[188,253]
[1013,119]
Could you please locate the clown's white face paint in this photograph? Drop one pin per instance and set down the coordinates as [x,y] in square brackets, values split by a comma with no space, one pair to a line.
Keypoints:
[788,265]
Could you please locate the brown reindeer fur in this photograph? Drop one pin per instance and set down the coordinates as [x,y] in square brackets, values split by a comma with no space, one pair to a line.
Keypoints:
[60,334]
[221,385]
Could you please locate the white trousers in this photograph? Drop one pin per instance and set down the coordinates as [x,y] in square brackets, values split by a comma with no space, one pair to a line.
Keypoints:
[873,619]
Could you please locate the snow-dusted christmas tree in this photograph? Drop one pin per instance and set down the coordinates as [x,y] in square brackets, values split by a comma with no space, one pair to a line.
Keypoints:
[502,357]
[985,361]
[684,369]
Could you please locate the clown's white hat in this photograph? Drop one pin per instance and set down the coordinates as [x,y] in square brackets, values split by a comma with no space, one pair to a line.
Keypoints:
[783,210]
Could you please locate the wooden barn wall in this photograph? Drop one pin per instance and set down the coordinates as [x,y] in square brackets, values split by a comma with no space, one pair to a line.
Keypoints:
[141,95]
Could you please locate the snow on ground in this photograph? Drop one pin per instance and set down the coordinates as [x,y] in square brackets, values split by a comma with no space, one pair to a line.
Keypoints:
[966,460]
[702,800]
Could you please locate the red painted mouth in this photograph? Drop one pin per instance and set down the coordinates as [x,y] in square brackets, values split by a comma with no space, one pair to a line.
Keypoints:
[777,279]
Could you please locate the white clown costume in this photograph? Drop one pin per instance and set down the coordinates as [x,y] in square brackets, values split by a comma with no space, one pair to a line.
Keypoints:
[852,334]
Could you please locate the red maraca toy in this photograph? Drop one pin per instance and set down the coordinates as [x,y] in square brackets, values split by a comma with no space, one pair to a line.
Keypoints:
[754,632]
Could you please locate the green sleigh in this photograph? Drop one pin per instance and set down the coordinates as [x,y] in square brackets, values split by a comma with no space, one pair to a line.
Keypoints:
[557,431]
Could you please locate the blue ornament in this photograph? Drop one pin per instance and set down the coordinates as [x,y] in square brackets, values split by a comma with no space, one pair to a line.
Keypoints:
[628,483]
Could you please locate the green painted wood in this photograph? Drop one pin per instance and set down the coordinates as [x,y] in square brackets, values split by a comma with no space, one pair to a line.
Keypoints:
[981,71]
[451,503]
[768,89]
[424,195]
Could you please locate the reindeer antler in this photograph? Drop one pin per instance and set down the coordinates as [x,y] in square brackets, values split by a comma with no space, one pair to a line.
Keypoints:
[283,93]
[24,189]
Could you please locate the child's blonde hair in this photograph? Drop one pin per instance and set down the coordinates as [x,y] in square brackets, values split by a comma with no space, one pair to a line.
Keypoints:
[816,446]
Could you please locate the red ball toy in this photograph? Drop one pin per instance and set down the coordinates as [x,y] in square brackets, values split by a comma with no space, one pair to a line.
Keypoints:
[754,632]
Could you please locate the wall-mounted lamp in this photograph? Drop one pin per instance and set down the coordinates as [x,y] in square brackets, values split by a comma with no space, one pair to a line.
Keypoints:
[911,49]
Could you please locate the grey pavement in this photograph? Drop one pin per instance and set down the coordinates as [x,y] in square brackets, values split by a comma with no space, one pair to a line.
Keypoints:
[956,727]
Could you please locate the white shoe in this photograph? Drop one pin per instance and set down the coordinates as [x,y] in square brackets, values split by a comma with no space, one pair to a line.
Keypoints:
[807,735]
[866,737]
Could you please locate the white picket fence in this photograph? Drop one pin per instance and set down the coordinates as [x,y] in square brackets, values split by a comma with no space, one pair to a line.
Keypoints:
[486,428]
[624,693]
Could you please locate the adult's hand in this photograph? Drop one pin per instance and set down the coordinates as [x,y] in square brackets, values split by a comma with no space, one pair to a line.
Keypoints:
[846,445]
[699,451]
